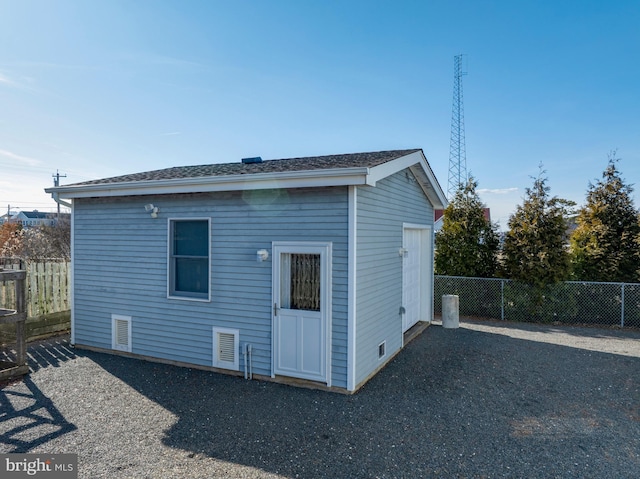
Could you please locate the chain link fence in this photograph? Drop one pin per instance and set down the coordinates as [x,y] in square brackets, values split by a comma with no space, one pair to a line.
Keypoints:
[571,302]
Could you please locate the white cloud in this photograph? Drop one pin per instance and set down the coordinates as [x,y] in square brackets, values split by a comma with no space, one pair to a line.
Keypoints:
[6,80]
[22,159]
[21,82]
[497,191]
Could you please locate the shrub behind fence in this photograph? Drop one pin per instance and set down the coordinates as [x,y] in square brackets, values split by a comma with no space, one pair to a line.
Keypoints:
[571,302]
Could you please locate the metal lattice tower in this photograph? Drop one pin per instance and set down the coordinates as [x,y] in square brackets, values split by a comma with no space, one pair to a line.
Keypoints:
[457,148]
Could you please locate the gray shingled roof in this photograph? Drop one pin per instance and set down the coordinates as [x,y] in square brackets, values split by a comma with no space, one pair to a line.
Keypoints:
[351,160]
[37,214]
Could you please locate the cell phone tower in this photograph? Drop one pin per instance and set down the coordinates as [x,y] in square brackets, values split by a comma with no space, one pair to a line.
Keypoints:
[457,148]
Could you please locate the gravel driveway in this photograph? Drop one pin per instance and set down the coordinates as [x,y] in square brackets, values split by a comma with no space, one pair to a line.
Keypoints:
[487,400]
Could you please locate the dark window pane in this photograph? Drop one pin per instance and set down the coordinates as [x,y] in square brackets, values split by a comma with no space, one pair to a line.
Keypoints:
[190,238]
[191,275]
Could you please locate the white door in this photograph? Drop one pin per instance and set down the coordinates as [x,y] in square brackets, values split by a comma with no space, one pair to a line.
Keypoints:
[413,286]
[301,305]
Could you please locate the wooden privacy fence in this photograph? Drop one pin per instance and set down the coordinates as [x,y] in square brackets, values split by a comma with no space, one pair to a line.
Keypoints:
[48,302]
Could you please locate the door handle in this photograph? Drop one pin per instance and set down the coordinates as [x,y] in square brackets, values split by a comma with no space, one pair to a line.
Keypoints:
[275,309]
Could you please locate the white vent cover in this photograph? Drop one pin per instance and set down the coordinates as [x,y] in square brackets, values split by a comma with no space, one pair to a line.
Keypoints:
[121,333]
[226,345]
[382,349]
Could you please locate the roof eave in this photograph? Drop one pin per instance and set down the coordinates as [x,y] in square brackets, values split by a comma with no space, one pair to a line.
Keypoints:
[205,184]
[419,165]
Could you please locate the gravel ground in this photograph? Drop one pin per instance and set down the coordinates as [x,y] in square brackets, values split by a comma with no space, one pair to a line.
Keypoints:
[488,400]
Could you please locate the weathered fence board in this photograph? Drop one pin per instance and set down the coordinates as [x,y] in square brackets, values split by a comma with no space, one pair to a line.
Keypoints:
[48,302]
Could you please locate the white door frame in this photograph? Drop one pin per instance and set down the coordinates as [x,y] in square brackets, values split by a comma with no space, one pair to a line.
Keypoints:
[426,268]
[324,249]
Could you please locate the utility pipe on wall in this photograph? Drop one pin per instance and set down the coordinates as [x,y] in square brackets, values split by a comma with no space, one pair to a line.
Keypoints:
[244,353]
[248,361]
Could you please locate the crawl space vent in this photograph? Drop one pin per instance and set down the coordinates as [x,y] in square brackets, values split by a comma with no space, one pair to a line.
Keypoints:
[121,333]
[381,349]
[225,348]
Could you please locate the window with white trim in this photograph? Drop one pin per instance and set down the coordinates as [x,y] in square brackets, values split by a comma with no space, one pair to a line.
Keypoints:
[189,241]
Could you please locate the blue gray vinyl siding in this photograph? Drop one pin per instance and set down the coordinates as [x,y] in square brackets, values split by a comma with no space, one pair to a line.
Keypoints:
[381,212]
[120,267]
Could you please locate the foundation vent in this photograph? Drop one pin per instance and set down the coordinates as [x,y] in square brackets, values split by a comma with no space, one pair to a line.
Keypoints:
[382,349]
[226,345]
[121,333]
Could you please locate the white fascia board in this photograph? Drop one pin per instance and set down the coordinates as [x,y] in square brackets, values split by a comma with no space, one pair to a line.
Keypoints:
[434,194]
[432,190]
[293,179]
[390,167]
[439,193]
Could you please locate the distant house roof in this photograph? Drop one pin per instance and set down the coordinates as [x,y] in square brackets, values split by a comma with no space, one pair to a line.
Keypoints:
[329,170]
[36,215]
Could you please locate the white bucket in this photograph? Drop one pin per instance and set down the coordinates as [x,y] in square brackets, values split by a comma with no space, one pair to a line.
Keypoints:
[450,311]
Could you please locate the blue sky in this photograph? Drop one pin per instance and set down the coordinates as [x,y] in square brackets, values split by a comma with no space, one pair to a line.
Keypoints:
[106,87]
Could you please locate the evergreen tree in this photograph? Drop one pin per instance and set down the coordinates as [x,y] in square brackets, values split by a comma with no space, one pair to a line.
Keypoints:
[467,244]
[534,248]
[605,244]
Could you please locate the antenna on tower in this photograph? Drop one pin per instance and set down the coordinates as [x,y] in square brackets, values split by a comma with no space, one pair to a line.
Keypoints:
[457,148]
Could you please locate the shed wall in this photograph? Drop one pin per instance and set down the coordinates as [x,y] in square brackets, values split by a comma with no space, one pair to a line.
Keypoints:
[120,267]
[381,212]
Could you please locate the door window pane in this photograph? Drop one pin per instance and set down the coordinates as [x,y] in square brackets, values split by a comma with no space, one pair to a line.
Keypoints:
[300,276]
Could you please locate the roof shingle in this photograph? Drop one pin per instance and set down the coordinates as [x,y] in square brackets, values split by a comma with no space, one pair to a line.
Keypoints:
[350,160]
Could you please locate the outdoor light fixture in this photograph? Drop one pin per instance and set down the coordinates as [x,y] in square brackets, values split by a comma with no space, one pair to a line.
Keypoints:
[149,208]
[262,255]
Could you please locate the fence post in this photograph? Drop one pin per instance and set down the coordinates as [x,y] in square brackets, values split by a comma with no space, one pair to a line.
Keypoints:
[622,315]
[502,299]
